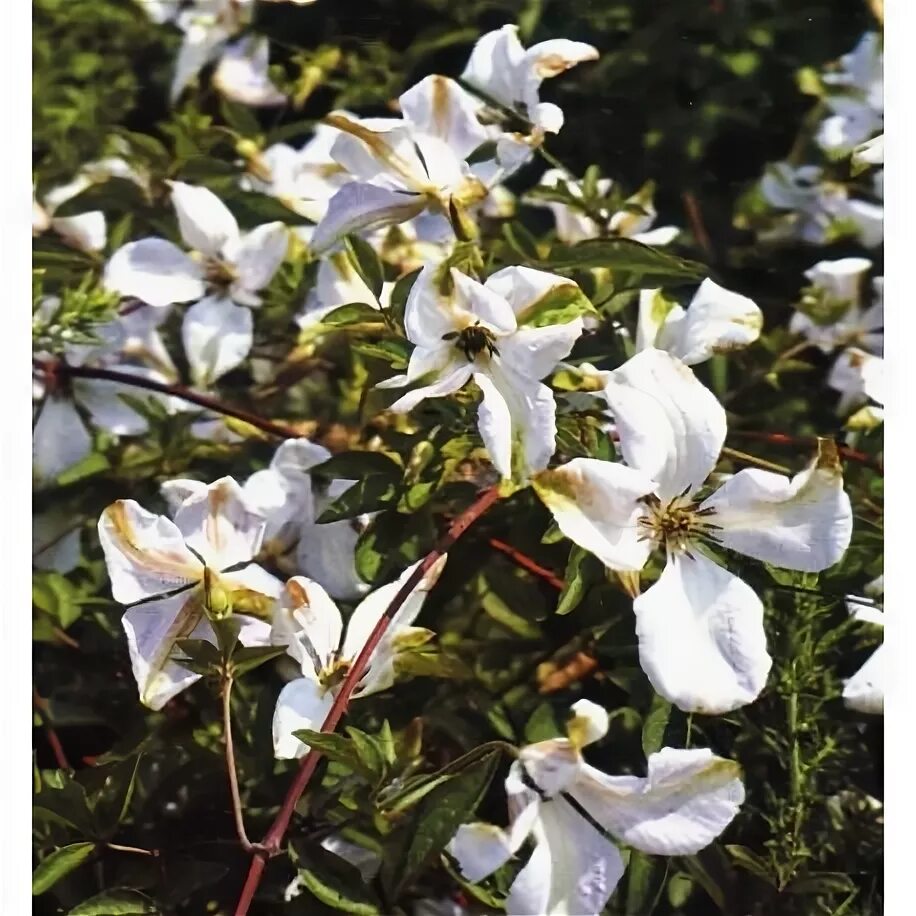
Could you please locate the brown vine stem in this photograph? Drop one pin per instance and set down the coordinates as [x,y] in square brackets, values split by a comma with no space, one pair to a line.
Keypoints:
[41,707]
[56,369]
[277,831]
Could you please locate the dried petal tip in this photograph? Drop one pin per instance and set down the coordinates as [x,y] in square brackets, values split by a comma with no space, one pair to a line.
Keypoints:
[828,458]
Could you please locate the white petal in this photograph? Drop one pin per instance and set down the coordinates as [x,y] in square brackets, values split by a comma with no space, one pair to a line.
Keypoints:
[204,220]
[59,438]
[217,335]
[155,271]
[455,376]
[804,523]
[145,553]
[716,321]
[573,870]
[56,540]
[308,623]
[654,310]
[302,703]
[200,45]
[176,491]
[152,629]
[87,231]
[438,106]
[596,504]
[494,64]
[535,352]
[480,849]
[327,554]
[552,766]
[494,421]
[220,526]
[701,638]
[671,427]
[106,407]
[688,798]
[524,287]
[338,283]
[258,255]
[357,207]
[588,724]
[841,279]
[242,74]
[663,235]
[864,691]
[380,673]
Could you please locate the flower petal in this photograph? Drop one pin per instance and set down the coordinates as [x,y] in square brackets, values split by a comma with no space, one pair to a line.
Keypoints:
[701,638]
[87,231]
[804,523]
[494,421]
[154,271]
[176,491]
[327,554]
[217,335]
[864,691]
[535,352]
[56,540]
[524,287]
[596,504]
[671,427]
[152,629]
[145,553]
[204,220]
[357,207]
[308,623]
[303,703]
[454,376]
[220,525]
[200,45]
[257,255]
[109,411]
[480,850]
[688,798]
[242,74]
[59,438]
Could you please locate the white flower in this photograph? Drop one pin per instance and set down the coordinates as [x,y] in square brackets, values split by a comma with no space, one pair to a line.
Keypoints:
[173,574]
[864,691]
[633,221]
[508,74]
[857,102]
[466,330]
[858,376]
[309,624]
[686,800]
[716,321]
[83,231]
[226,270]
[700,628]
[403,167]
[836,293]
[871,152]
[241,74]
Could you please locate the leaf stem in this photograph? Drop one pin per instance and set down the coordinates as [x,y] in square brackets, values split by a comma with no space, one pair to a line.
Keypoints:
[247,845]
[41,707]
[274,836]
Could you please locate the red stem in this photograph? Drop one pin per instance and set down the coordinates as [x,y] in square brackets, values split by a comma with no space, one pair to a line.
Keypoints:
[525,562]
[61,369]
[274,836]
[810,441]
[56,747]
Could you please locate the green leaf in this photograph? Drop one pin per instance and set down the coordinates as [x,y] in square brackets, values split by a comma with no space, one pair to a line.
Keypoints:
[248,658]
[337,748]
[394,352]
[582,570]
[495,607]
[750,861]
[368,751]
[353,313]
[826,882]
[644,266]
[334,881]
[60,863]
[378,483]
[399,294]
[92,464]
[120,901]
[521,241]
[560,305]
[367,263]
[356,465]
[438,817]
[112,802]
[56,596]
[198,655]
[646,877]
[65,804]
[654,725]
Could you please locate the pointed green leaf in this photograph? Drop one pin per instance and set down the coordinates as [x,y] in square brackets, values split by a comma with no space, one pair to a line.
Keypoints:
[60,863]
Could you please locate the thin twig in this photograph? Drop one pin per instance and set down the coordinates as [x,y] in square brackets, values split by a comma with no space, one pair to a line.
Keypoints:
[274,836]
[810,442]
[753,459]
[63,370]
[247,845]
[136,850]
[525,562]
[41,707]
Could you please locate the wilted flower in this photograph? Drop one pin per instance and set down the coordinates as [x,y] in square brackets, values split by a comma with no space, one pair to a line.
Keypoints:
[700,628]
[175,575]
[466,330]
[686,800]
[309,624]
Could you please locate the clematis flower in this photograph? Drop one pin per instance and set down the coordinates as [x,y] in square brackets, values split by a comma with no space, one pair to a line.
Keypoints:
[466,330]
[864,691]
[858,376]
[831,313]
[225,271]
[871,152]
[716,321]
[403,167]
[309,624]
[83,231]
[855,98]
[173,575]
[504,71]
[686,800]
[633,221]
[699,627]
[241,74]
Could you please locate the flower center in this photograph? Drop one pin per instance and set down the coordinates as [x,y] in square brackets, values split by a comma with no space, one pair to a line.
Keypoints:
[473,340]
[333,674]
[677,523]
[219,273]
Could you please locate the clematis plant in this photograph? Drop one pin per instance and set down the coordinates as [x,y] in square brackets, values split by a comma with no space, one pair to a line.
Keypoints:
[242,76]
[224,272]
[864,691]
[310,625]
[858,376]
[465,330]
[574,812]
[699,627]
[175,575]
